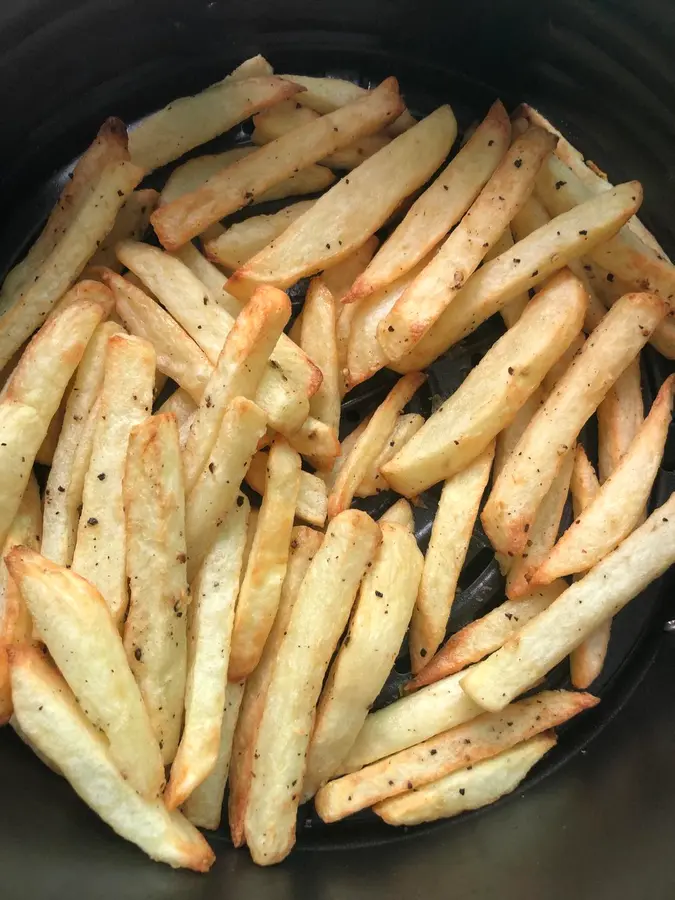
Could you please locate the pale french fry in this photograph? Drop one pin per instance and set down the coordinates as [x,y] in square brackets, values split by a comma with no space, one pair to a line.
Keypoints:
[92,222]
[407,425]
[266,567]
[516,495]
[556,631]
[312,502]
[514,367]
[250,534]
[620,416]
[317,442]
[371,443]
[346,447]
[210,618]
[400,513]
[485,635]
[240,183]
[340,277]
[481,738]
[21,430]
[54,723]
[450,535]
[440,207]
[155,628]
[254,65]
[339,222]
[181,405]
[318,618]
[131,224]
[190,121]
[217,488]
[434,290]
[466,789]
[45,455]
[513,310]
[509,436]
[318,338]
[544,252]
[82,638]
[126,401]
[211,278]
[205,804]
[304,544]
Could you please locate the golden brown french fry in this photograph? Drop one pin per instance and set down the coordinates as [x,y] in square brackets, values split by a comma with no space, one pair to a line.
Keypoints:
[53,722]
[82,638]
[371,443]
[316,622]
[556,631]
[190,121]
[379,622]
[436,287]
[407,425]
[266,567]
[240,183]
[468,788]
[481,738]
[620,416]
[339,222]
[516,495]
[514,367]
[155,628]
[400,513]
[210,618]
[131,224]
[318,338]
[312,502]
[544,252]
[450,535]
[304,544]
[126,401]
[440,207]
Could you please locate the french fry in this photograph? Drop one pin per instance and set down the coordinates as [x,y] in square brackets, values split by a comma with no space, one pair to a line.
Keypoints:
[304,544]
[479,739]
[339,222]
[509,436]
[340,277]
[407,425]
[379,620]
[254,65]
[440,207]
[312,502]
[318,618]
[258,599]
[434,290]
[52,720]
[371,443]
[217,488]
[131,224]
[181,405]
[450,535]
[469,788]
[210,618]
[205,804]
[126,401]
[317,442]
[318,338]
[400,513]
[155,628]
[515,498]
[240,183]
[556,631]
[485,635]
[190,121]
[513,367]
[45,455]
[82,638]
[513,310]
[545,251]
[620,416]
[620,501]
[210,277]
[92,222]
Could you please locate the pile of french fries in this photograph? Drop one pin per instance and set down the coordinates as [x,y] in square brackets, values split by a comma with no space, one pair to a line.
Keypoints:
[192,601]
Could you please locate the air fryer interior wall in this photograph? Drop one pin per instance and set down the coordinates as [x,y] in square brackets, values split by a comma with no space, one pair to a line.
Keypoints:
[599,825]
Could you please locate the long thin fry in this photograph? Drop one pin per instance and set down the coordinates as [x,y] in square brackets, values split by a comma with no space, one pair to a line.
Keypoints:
[619,418]
[130,225]
[407,425]
[312,502]
[319,341]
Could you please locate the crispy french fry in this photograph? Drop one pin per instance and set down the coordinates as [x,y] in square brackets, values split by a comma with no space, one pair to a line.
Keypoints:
[469,788]
[126,401]
[54,723]
[481,738]
[82,638]
[312,502]
[131,224]
[544,252]
[620,416]
[514,367]
[154,631]
[371,443]
[516,495]
[400,513]
[436,287]
[190,121]
[318,618]
[556,631]
[210,618]
[266,567]
[379,622]
[318,338]
[407,425]
[340,221]
[304,544]
[240,183]
[210,277]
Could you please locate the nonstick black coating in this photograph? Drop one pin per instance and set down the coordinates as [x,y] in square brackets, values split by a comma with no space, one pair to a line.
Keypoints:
[599,825]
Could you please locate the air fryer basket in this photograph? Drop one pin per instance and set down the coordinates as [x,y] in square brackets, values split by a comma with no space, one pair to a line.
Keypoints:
[603,74]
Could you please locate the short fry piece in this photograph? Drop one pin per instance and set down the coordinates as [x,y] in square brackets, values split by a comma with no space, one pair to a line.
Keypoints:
[312,502]
[399,514]
[318,339]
